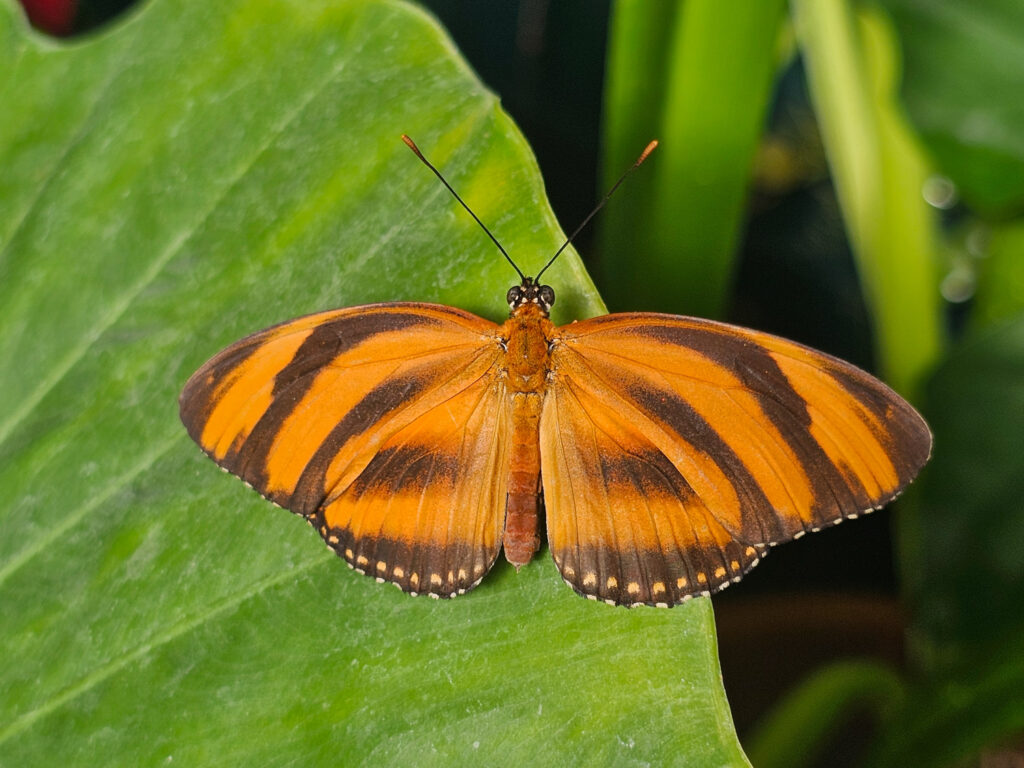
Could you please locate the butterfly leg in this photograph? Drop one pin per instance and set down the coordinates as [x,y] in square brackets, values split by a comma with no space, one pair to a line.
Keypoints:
[522,537]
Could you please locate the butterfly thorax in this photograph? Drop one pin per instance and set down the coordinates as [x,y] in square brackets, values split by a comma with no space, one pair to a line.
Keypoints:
[526,336]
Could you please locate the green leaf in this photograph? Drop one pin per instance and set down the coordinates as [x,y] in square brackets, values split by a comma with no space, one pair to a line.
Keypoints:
[971,499]
[878,171]
[196,173]
[1000,274]
[700,81]
[965,522]
[963,73]
[795,732]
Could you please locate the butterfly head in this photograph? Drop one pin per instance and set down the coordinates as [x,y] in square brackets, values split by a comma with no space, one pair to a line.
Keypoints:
[530,292]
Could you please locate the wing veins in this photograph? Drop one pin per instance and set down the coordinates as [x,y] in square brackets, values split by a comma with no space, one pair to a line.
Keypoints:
[376,360]
[853,447]
[636,481]
[427,451]
[646,419]
[462,428]
[572,490]
[604,488]
[382,423]
[771,440]
[640,364]
[833,419]
[689,377]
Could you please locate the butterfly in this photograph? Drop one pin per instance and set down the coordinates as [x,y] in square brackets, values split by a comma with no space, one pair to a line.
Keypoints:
[666,454]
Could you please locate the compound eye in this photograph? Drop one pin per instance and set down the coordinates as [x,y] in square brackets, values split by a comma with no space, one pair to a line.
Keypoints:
[514,295]
[547,295]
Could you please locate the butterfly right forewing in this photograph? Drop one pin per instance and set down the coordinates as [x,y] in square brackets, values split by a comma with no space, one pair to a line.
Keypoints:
[757,438]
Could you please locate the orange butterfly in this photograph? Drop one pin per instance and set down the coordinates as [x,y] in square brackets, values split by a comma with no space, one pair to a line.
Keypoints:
[668,453]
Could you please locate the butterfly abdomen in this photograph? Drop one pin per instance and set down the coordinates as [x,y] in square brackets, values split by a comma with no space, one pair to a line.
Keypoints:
[526,337]
[522,536]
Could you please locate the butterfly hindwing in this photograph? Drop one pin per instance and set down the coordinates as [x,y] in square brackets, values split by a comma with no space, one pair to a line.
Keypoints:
[367,421]
[675,450]
[624,524]
[427,511]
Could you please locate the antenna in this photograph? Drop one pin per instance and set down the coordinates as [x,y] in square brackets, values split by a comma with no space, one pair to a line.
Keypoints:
[412,145]
[643,156]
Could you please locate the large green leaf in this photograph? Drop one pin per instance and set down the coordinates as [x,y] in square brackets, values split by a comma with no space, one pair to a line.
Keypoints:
[878,171]
[700,81]
[1000,275]
[964,65]
[965,520]
[198,172]
[971,499]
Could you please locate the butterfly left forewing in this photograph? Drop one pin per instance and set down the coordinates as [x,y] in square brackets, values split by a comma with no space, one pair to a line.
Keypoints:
[308,411]
[769,439]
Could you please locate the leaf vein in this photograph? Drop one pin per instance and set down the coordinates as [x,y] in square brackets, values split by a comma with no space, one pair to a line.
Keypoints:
[121,304]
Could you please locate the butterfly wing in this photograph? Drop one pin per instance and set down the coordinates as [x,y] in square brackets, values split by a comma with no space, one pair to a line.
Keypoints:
[674,451]
[383,425]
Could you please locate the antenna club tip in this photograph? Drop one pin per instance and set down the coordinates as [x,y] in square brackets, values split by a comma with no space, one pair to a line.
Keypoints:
[411,145]
[653,145]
